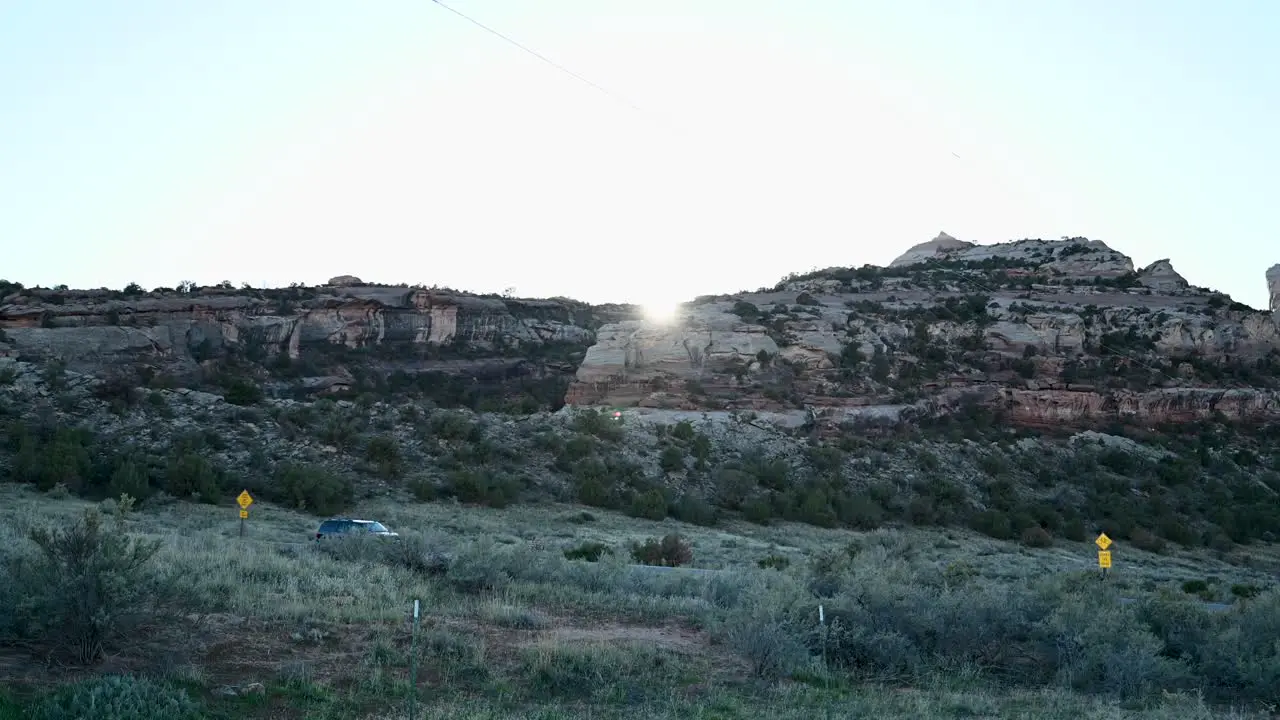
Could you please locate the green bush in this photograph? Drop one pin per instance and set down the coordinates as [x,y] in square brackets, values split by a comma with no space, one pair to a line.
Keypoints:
[601,425]
[312,489]
[694,510]
[1144,539]
[671,460]
[1037,537]
[993,523]
[384,452]
[84,589]
[191,475]
[671,551]
[589,551]
[483,487]
[242,391]
[773,562]
[117,697]
[650,505]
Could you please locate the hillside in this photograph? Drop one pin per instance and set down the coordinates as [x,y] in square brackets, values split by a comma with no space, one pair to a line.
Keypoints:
[1006,401]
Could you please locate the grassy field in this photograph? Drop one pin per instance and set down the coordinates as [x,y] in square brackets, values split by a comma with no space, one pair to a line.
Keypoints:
[273,626]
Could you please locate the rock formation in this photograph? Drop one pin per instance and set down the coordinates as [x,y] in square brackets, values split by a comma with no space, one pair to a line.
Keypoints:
[1066,327]
[936,247]
[1161,277]
[1273,287]
[1045,331]
[174,333]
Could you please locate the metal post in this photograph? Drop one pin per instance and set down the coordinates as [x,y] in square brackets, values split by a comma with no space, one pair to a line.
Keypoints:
[822,621]
[413,663]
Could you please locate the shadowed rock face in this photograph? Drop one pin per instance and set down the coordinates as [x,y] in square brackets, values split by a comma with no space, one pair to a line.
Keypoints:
[96,332]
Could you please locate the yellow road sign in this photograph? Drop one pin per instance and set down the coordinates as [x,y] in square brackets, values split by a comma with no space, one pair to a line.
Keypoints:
[1104,559]
[1103,542]
[244,514]
[245,499]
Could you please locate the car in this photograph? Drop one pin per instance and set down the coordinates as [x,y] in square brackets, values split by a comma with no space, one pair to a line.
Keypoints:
[342,527]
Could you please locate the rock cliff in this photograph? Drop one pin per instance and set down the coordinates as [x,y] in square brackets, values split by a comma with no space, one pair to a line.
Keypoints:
[1062,331]
[1273,287]
[312,335]
[1044,331]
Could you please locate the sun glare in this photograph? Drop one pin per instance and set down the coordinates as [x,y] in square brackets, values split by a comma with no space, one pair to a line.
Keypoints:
[661,312]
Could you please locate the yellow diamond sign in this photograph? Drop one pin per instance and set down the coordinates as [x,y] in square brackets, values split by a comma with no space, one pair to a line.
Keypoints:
[1103,542]
[245,499]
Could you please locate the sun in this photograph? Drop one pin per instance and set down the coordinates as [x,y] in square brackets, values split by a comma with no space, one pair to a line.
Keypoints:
[662,311]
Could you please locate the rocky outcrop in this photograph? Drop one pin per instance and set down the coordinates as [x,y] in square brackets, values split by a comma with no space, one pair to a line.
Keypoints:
[344,281]
[1068,259]
[937,247]
[1161,277]
[1273,287]
[1048,321]
[1052,408]
[176,331]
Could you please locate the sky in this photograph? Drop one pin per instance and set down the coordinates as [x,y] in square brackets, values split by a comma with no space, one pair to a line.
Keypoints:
[733,142]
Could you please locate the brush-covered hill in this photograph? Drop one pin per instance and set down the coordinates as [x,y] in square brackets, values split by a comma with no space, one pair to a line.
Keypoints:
[1032,390]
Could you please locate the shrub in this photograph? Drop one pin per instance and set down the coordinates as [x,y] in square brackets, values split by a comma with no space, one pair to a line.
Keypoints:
[774,562]
[311,488]
[767,645]
[671,551]
[1036,536]
[189,474]
[993,523]
[129,478]
[1196,587]
[118,697]
[601,425]
[384,452]
[589,551]
[1144,539]
[650,505]
[671,460]
[483,487]
[745,310]
[696,511]
[451,425]
[1245,591]
[86,587]
[242,391]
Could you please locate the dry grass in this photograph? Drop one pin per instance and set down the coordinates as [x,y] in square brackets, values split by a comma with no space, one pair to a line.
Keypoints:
[330,637]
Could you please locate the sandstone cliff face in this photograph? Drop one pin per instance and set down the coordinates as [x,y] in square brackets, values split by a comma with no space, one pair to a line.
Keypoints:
[1161,277]
[1054,331]
[97,332]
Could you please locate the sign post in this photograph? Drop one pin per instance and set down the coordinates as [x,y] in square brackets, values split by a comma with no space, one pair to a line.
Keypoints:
[822,621]
[413,662]
[1104,555]
[244,500]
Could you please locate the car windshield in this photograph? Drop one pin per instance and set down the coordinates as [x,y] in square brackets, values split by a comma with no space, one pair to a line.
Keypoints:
[377,527]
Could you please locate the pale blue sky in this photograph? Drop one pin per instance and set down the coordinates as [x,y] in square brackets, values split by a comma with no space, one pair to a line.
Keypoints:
[273,141]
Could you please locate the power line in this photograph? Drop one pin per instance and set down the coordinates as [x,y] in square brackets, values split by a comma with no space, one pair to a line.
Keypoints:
[512,41]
